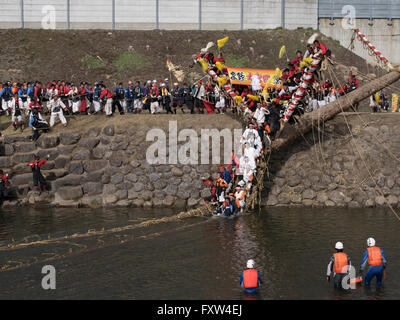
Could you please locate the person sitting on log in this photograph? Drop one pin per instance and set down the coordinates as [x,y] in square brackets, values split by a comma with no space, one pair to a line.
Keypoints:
[319,48]
[273,120]
[213,191]
[221,186]
[299,57]
[239,197]
[226,208]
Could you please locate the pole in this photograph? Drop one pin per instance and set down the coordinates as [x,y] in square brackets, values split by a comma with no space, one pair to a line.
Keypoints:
[157,17]
[241,14]
[200,15]
[113,15]
[283,5]
[22,14]
[68,14]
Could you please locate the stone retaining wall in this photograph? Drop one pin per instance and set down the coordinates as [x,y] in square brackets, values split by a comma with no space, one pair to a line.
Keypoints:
[103,166]
[106,165]
[332,167]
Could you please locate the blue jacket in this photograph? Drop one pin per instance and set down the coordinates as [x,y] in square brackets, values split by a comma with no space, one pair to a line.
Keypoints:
[137,92]
[6,94]
[31,91]
[227,177]
[22,92]
[96,93]
[130,93]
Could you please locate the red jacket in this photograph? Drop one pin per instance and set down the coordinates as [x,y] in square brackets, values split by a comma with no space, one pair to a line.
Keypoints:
[323,48]
[37,90]
[34,163]
[34,105]
[106,93]
[296,62]
[4,178]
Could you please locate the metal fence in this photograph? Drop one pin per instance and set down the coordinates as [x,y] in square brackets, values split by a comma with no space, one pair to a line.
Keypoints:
[160,14]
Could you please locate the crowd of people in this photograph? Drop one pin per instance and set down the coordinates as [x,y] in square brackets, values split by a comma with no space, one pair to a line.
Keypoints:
[262,110]
[29,102]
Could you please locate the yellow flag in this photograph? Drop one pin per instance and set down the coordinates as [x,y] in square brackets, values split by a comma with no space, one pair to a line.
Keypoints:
[282,52]
[221,42]
[252,97]
[220,65]
[203,64]
[305,62]
[238,99]
[221,81]
[277,74]
[264,93]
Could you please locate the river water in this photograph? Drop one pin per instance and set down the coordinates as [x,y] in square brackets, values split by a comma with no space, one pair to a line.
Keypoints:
[132,254]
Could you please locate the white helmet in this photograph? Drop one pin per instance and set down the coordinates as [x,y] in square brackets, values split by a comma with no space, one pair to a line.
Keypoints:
[250,264]
[371,242]
[339,246]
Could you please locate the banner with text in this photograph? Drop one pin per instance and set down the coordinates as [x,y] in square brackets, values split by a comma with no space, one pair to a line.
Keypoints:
[244,76]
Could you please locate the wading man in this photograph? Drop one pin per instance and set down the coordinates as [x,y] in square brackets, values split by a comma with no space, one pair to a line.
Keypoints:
[340,265]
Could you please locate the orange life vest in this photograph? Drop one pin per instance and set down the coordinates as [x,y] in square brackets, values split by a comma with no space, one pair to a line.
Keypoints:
[221,183]
[250,279]
[374,256]
[340,262]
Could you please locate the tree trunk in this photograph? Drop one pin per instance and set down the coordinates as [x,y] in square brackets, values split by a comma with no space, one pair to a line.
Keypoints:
[312,119]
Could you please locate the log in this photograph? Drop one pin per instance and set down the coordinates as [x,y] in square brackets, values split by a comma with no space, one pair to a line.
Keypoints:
[312,119]
[309,120]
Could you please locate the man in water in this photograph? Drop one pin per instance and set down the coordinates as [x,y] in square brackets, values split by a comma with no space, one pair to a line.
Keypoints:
[376,260]
[250,278]
[340,265]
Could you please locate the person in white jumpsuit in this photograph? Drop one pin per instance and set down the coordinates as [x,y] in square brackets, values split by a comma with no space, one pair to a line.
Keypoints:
[56,107]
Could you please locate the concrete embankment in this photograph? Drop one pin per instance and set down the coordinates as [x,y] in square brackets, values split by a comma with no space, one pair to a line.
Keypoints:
[102,162]
[350,161]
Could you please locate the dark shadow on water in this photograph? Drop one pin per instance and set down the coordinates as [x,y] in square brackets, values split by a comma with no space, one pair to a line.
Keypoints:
[249,296]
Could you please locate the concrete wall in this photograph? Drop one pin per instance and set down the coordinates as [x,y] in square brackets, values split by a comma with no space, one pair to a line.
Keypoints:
[164,14]
[10,14]
[384,37]
[301,13]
